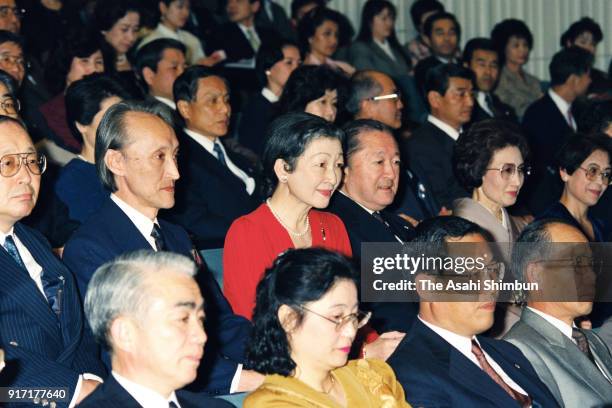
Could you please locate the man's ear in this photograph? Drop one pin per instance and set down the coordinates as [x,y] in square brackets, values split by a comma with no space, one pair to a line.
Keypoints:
[162,7]
[434,99]
[115,162]
[564,175]
[81,128]
[123,334]
[147,75]
[532,273]
[184,109]
[255,6]
[426,40]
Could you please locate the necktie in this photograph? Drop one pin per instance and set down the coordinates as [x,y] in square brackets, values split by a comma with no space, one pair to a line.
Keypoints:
[157,235]
[582,343]
[570,118]
[489,102]
[51,287]
[171,404]
[523,400]
[219,152]
[398,234]
[252,37]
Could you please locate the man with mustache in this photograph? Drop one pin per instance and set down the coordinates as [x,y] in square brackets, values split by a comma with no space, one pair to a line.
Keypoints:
[146,308]
[480,56]
[443,360]
[574,363]
[42,330]
[136,150]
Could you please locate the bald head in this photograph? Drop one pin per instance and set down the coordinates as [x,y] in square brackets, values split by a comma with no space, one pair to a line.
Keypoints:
[374,95]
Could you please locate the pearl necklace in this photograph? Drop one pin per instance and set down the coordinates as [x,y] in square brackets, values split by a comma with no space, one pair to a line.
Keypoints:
[289,230]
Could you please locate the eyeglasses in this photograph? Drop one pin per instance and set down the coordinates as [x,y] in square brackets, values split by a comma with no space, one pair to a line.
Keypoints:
[395,95]
[509,169]
[6,10]
[10,105]
[358,320]
[13,60]
[10,164]
[593,172]
[494,270]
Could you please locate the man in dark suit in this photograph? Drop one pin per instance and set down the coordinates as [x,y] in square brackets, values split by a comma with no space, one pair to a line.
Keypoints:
[136,152]
[272,16]
[133,306]
[217,187]
[449,91]
[374,95]
[371,179]
[480,56]
[42,329]
[549,121]
[443,361]
[574,363]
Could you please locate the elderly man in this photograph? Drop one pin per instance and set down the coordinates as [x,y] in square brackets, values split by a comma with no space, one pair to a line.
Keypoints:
[574,363]
[136,152]
[443,360]
[42,329]
[146,309]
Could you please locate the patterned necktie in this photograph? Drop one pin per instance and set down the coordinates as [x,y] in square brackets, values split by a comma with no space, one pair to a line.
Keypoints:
[219,152]
[523,400]
[51,287]
[252,37]
[583,343]
[157,235]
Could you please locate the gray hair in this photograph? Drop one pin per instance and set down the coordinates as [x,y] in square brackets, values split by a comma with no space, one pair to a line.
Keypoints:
[362,87]
[119,288]
[113,134]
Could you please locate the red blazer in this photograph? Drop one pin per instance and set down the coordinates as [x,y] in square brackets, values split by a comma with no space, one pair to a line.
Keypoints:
[255,240]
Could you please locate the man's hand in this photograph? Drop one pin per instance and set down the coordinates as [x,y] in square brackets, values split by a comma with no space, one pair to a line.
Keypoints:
[249,380]
[87,387]
[383,346]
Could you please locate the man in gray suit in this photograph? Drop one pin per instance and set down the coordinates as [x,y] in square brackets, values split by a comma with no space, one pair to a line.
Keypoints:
[574,363]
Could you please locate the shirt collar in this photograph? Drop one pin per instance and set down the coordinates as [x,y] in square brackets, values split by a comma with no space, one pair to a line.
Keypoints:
[561,103]
[162,29]
[461,343]
[443,126]
[202,140]
[269,95]
[365,208]
[166,101]
[3,235]
[481,98]
[560,325]
[246,29]
[143,395]
[143,223]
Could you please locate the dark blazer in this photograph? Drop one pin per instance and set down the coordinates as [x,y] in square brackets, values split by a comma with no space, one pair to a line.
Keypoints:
[435,374]
[230,38]
[110,233]
[414,196]
[363,227]
[500,111]
[368,55]
[209,197]
[280,22]
[256,116]
[558,210]
[112,394]
[431,150]
[42,350]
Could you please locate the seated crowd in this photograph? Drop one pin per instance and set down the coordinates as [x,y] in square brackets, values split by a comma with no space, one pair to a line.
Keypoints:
[187,193]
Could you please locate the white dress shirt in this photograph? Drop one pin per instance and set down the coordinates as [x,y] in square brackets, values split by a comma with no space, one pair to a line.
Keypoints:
[166,102]
[445,127]
[464,345]
[143,223]
[145,396]
[371,212]
[564,107]
[269,95]
[191,42]
[209,145]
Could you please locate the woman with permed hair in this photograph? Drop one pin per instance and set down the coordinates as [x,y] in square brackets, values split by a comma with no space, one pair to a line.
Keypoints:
[305,321]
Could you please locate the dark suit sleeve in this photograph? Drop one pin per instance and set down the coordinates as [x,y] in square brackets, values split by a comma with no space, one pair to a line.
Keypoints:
[83,256]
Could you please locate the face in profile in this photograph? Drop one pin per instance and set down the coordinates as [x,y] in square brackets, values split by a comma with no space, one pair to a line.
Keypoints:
[503,178]
[586,184]
[388,109]
[317,172]
[170,66]
[209,113]
[455,106]
[9,105]
[279,73]
[123,34]
[333,342]
[326,106]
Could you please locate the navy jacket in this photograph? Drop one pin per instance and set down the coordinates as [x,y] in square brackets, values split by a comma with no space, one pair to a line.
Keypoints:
[110,233]
[435,374]
[42,350]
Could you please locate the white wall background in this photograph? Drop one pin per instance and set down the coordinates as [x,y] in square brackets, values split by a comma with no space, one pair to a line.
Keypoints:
[547,20]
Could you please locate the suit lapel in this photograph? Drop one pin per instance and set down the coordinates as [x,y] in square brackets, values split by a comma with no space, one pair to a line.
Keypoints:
[127,237]
[600,353]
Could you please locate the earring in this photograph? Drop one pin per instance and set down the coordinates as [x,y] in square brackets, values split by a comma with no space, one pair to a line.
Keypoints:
[268,73]
[283,179]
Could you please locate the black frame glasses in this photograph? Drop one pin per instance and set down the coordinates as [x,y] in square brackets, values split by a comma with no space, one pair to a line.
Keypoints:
[508,170]
[592,173]
[10,164]
[358,319]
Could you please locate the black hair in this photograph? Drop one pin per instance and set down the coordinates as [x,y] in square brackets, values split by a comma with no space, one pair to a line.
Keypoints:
[310,22]
[504,30]
[11,84]
[361,86]
[77,45]
[296,5]
[308,83]
[475,149]
[420,7]
[8,36]
[438,230]
[84,97]
[185,87]
[579,147]
[442,15]
[269,54]
[476,44]
[297,277]
[149,55]
[585,24]
[438,77]
[287,138]
[108,12]
[596,117]
[354,129]
[567,62]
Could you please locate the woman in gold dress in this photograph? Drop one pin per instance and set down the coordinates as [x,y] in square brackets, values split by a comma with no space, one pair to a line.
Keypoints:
[305,320]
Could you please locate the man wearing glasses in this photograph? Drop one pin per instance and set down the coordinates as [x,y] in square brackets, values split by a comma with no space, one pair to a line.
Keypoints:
[42,326]
[574,363]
